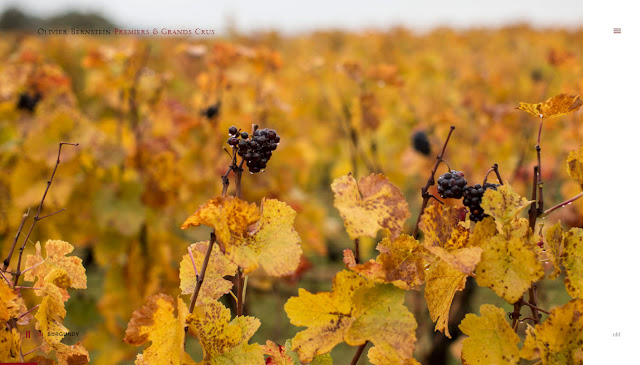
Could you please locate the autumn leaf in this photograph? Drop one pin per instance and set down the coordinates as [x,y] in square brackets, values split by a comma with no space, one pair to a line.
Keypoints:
[229,216]
[69,354]
[503,204]
[214,284]
[554,238]
[401,262]
[574,165]
[491,338]
[453,260]
[558,340]
[10,342]
[509,264]
[355,311]
[284,355]
[50,314]
[441,228]
[11,304]
[554,107]
[253,237]
[370,205]
[155,322]
[272,244]
[224,342]
[57,258]
[443,281]
[572,261]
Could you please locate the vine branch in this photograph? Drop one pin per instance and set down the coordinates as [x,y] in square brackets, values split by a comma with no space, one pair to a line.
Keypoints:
[37,216]
[425,189]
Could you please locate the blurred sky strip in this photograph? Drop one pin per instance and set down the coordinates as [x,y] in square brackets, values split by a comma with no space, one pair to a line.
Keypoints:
[291,16]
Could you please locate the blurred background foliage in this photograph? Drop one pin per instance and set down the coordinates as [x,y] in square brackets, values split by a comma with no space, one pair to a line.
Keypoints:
[151,116]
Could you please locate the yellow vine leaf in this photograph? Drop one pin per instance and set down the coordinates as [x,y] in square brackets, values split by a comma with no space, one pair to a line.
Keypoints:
[443,281]
[284,355]
[214,284]
[574,165]
[503,204]
[380,357]
[253,237]
[70,354]
[50,315]
[441,228]
[554,107]
[57,252]
[491,338]
[483,232]
[558,340]
[229,216]
[572,261]
[224,342]
[401,262]
[355,311]
[155,322]
[10,342]
[11,304]
[370,205]
[452,260]
[554,238]
[509,264]
[272,243]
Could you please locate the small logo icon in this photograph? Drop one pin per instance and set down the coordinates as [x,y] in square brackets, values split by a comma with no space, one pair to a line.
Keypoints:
[617,30]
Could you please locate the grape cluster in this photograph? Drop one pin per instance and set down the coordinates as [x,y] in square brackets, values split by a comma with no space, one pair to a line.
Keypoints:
[28,102]
[421,143]
[473,199]
[257,150]
[451,184]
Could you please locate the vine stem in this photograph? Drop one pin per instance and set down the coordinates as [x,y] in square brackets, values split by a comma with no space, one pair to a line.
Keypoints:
[37,216]
[356,357]
[564,203]
[6,262]
[203,271]
[493,168]
[431,182]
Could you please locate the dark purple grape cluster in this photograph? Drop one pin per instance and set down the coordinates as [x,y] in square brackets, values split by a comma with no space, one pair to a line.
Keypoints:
[473,199]
[28,102]
[451,184]
[257,150]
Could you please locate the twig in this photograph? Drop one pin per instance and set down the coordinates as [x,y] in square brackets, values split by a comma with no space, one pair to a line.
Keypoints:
[203,271]
[29,311]
[356,357]
[15,240]
[37,217]
[32,267]
[493,168]
[193,261]
[561,205]
[431,182]
[536,307]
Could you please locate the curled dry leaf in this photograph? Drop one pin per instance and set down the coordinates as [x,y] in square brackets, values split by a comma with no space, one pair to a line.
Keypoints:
[370,205]
[554,107]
